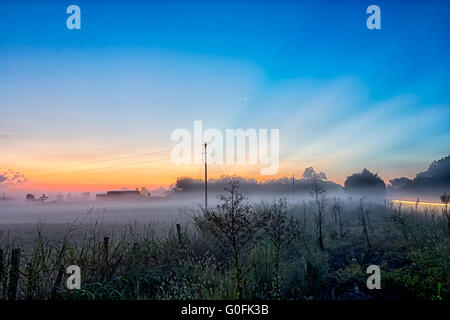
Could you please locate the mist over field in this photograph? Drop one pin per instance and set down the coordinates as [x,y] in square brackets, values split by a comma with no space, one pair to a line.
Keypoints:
[187,194]
[288,238]
[224,150]
[125,211]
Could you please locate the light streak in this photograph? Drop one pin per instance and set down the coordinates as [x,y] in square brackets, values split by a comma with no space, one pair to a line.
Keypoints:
[420,203]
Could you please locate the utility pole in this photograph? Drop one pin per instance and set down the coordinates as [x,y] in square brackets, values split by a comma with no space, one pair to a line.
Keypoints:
[293,188]
[206,178]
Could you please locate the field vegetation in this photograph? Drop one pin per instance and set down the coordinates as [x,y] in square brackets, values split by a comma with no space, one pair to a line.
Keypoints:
[317,249]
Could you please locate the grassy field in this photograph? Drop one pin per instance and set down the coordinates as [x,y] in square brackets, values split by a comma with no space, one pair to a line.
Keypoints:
[317,249]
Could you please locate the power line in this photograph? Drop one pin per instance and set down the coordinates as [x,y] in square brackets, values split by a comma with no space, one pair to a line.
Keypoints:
[206,177]
[108,160]
[293,188]
[110,167]
[101,161]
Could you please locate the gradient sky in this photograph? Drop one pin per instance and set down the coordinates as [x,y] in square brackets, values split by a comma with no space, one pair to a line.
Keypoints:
[94,108]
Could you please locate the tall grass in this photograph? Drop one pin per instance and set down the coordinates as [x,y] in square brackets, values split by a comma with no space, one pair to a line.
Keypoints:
[284,259]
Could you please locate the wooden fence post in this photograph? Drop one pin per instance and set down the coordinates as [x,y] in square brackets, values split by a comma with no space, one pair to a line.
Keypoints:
[58,280]
[14,274]
[106,258]
[106,246]
[180,238]
[1,267]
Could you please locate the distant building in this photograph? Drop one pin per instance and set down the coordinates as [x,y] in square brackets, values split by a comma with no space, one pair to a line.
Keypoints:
[123,195]
[3,197]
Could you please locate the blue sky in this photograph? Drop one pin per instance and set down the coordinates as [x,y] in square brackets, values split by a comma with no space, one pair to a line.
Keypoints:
[344,97]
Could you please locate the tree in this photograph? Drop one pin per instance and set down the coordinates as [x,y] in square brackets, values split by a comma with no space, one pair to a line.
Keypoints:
[435,179]
[318,194]
[336,209]
[188,184]
[365,183]
[280,229]
[29,197]
[364,220]
[438,170]
[400,184]
[445,199]
[43,198]
[310,174]
[235,225]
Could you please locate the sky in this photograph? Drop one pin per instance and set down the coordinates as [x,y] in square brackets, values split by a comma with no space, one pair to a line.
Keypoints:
[94,109]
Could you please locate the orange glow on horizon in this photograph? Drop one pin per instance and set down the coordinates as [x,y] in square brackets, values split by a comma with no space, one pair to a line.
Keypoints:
[131,178]
[155,176]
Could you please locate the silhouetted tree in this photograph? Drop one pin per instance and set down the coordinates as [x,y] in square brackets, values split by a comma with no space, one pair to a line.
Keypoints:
[310,174]
[187,184]
[435,179]
[445,199]
[43,198]
[270,186]
[365,183]
[438,169]
[400,184]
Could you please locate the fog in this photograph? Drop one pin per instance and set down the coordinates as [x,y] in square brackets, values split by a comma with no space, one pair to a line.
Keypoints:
[112,212]
[175,207]
[170,209]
